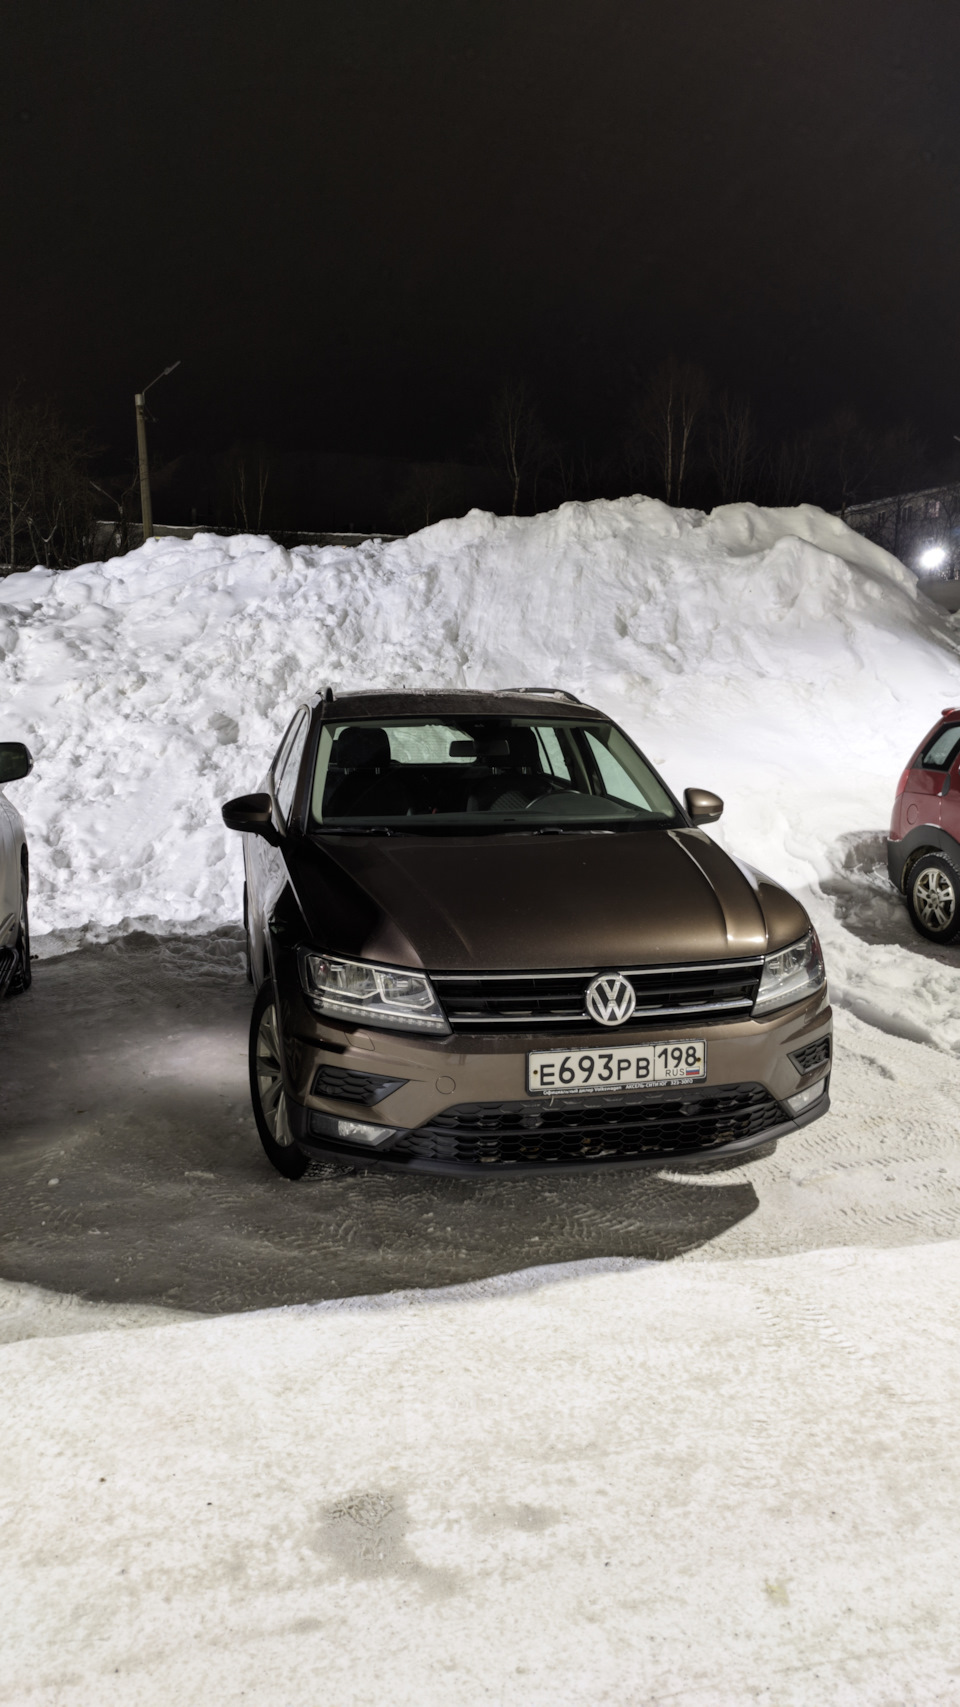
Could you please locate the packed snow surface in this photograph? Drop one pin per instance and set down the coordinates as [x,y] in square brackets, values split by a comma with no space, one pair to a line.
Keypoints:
[611,1484]
[773,655]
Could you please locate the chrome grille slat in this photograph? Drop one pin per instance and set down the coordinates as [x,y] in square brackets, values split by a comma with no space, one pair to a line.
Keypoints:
[528,1001]
[588,972]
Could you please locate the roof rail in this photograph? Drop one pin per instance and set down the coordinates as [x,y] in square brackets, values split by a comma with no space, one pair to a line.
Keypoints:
[553,693]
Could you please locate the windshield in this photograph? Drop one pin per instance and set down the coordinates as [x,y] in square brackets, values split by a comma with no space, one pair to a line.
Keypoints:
[484,773]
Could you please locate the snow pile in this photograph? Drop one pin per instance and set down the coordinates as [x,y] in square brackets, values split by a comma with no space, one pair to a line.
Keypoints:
[773,655]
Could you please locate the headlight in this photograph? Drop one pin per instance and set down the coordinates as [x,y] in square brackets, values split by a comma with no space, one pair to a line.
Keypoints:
[370,995]
[789,976]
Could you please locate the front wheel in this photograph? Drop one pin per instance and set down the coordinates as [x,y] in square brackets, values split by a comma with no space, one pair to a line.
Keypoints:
[23,971]
[933,897]
[266,1087]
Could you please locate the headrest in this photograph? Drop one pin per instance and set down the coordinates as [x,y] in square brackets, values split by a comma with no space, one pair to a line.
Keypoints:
[524,749]
[360,746]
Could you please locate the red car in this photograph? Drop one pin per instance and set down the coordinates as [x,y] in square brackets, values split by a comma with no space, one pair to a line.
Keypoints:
[923,848]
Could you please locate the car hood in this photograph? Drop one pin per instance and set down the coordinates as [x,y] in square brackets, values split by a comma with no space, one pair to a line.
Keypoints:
[538,902]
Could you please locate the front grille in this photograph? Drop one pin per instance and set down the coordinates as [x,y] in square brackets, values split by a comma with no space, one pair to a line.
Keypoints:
[529,1001]
[342,1085]
[530,1134]
[812,1055]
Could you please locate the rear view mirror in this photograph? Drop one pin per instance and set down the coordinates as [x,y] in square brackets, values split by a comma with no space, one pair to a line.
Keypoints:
[251,814]
[15,761]
[703,807]
[494,747]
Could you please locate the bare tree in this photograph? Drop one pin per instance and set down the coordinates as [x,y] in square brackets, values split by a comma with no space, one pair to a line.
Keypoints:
[46,510]
[430,492]
[520,447]
[848,454]
[732,446]
[791,470]
[575,471]
[21,441]
[858,461]
[667,422]
[249,468]
[123,493]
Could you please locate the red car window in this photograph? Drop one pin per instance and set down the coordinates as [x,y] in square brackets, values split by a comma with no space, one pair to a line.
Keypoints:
[942,750]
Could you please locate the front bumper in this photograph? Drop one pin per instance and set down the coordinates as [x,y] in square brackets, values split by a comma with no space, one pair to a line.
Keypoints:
[399,1161]
[449,1084]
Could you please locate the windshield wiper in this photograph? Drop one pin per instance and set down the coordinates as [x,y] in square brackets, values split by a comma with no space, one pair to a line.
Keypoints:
[519,827]
[359,830]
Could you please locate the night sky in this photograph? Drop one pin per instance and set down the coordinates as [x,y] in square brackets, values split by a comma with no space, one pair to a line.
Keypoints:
[350,219]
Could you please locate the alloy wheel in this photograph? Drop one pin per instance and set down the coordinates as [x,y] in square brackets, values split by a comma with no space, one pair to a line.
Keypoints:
[935,899]
[269,1071]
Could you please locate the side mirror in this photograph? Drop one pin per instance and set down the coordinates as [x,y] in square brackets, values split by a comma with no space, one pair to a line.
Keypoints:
[251,814]
[703,807]
[15,761]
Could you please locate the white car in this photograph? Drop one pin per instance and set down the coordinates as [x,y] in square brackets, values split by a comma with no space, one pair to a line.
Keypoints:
[15,762]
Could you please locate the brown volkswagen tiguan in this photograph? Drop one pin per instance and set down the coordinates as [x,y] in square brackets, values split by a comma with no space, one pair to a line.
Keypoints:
[486,937]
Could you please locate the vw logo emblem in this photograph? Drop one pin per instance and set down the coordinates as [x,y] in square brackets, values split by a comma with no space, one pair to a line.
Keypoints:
[611,999]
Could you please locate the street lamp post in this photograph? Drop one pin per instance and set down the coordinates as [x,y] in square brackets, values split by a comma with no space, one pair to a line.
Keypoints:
[146,505]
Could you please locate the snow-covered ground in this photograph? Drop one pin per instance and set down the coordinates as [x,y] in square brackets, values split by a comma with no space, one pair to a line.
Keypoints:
[654,1485]
[728,1478]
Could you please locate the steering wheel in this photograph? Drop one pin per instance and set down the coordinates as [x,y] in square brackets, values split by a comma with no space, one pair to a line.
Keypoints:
[553,787]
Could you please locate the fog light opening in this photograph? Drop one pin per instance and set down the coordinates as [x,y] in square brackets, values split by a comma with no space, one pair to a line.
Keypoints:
[352,1131]
[803,1099]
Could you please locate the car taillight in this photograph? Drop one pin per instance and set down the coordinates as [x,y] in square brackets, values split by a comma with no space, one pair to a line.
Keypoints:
[901,785]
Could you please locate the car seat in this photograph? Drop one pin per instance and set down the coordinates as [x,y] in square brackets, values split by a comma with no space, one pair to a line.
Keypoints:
[521,776]
[368,784]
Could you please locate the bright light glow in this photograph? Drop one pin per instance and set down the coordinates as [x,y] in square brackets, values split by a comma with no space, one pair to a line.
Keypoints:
[933,557]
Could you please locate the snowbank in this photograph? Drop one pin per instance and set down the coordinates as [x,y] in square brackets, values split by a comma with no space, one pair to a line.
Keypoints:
[600,1486]
[773,655]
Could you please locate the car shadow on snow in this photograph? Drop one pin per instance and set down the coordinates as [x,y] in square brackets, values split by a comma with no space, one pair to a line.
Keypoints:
[130,1170]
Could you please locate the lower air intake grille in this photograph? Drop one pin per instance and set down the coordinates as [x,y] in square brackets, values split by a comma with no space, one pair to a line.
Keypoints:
[341,1085]
[525,1134]
[812,1055]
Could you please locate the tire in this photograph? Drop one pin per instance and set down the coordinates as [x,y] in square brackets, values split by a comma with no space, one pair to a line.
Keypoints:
[23,972]
[933,898]
[266,1087]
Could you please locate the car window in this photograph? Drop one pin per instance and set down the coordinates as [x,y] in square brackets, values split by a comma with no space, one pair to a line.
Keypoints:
[288,764]
[943,749]
[617,781]
[423,744]
[481,772]
[553,755]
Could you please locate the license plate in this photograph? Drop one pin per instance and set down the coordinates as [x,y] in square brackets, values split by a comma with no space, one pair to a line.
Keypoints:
[559,1072]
